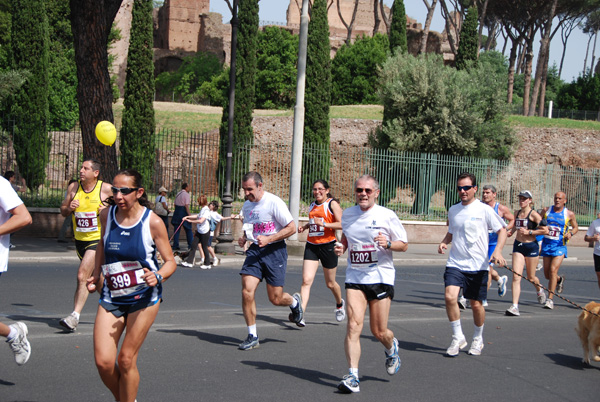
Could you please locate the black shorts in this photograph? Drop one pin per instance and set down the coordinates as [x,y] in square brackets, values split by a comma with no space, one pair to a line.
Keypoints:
[530,249]
[123,310]
[83,246]
[597,262]
[473,284]
[373,291]
[323,253]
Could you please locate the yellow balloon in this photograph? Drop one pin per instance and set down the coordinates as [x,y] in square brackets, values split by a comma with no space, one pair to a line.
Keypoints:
[106,132]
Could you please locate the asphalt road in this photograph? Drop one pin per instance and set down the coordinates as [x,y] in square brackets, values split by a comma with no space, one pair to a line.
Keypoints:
[191,351]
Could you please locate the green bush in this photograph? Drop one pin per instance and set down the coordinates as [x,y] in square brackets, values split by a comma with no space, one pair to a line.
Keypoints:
[354,71]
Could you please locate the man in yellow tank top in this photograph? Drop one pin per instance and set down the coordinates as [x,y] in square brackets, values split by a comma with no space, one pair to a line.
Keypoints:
[84,201]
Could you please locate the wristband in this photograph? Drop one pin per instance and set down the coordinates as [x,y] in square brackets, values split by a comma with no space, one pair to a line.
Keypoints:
[159,277]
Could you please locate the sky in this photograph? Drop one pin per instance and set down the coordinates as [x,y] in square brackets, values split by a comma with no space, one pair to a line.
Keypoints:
[274,10]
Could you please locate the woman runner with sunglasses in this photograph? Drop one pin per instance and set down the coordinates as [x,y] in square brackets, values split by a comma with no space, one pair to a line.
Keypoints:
[131,286]
[325,217]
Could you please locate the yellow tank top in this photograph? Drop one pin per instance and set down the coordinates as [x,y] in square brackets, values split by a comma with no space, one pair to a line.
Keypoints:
[86,225]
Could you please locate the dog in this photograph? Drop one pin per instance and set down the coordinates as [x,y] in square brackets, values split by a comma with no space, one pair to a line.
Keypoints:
[588,329]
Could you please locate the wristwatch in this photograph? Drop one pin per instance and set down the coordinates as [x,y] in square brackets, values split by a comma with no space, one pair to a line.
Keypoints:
[159,277]
[389,245]
[530,232]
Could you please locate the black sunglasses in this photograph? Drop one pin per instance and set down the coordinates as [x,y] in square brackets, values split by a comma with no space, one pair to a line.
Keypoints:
[464,188]
[123,190]
[366,190]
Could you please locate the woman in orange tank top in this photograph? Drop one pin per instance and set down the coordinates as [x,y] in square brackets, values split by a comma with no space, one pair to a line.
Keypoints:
[325,217]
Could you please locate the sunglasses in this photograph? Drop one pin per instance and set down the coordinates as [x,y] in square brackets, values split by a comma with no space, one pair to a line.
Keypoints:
[464,188]
[123,190]
[366,190]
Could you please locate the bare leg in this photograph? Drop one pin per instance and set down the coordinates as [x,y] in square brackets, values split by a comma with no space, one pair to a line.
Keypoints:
[451,297]
[249,285]
[379,311]
[551,267]
[356,306]
[309,270]
[85,271]
[518,262]
[329,274]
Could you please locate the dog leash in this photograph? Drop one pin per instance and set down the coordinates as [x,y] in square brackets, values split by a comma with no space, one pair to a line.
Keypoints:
[549,291]
[176,230]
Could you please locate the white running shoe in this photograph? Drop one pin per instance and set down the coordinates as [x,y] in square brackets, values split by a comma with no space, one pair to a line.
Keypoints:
[340,313]
[349,384]
[512,311]
[476,346]
[187,264]
[484,303]
[392,362]
[502,285]
[205,266]
[19,344]
[462,303]
[456,345]
[539,266]
[216,262]
[70,322]
[549,304]
[541,297]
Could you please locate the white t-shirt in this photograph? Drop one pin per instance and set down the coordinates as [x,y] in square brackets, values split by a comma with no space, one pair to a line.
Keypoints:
[592,230]
[9,200]
[368,263]
[204,227]
[469,226]
[265,217]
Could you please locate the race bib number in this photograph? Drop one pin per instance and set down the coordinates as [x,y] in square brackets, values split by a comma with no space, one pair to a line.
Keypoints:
[363,255]
[553,233]
[315,230]
[124,277]
[86,221]
[521,223]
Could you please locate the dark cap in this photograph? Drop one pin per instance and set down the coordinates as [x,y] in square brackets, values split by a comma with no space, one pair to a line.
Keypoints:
[526,194]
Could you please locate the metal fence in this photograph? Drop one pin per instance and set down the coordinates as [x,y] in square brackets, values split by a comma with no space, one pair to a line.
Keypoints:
[417,186]
[564,113]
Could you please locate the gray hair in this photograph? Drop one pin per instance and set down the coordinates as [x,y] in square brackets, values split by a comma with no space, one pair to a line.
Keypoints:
[368,177]
[254,176]
[490,187]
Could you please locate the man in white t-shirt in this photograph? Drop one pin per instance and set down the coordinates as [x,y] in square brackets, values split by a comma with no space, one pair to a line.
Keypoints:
[267,223]
[370,233]
[469,223]
[593,236]
[13,216]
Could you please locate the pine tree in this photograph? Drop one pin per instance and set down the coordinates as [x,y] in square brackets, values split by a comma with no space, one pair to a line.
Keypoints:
[137,133]
[467,47]
[245,73]
[315,163]
[398,28]
[29,40]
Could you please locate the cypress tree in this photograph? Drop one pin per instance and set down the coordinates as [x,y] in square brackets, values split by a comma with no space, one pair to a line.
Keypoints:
[29,40]
[245,77]
[137,133]
[317,98]
[467,47]
[398,28]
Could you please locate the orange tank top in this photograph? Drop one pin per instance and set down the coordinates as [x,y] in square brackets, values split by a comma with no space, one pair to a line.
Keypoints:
[319,234]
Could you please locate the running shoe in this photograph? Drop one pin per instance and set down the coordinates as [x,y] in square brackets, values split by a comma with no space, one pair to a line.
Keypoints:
[541,296]
[349,384]
[205,266]
[251,342]
[340,313]
[549,304]
[187,264]
[539,266]
[456,345]
[12,246]
[19,344]
[177,259]
[502,285]
[462,303]
[216,262]
[512,311]
[393,362]
[484,303]
[476,346]
[70,322]
[297,313]
[560,283]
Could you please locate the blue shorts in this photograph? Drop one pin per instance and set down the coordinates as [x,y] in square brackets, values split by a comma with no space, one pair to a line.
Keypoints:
[269,262]
[529,249]
[491,249]
[473,284]
[553,250]
[123,310]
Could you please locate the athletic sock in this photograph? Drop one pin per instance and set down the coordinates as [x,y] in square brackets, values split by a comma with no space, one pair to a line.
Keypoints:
[354,371]
[478,332]
[252,330]
[76,314]
[294,303]
[339,305]
[11,335]
[457,329]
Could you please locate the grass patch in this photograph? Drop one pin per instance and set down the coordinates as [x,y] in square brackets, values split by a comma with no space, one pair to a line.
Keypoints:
[360,112]
[540,122]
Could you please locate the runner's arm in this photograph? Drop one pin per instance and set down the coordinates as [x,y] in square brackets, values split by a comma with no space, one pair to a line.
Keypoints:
[65,207]
[574,225]
[19,219]
[508,216]
[444,243]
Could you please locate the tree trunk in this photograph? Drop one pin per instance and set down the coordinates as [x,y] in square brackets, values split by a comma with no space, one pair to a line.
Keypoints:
[481,24]
[450,25]
[543,55]
[511,68]
[587,51]
[541,104]
[91,21]
[376,16]
[593,53]
[430,11]
[386,19]
[491,36]
[349,27]
[521,59]
[527,78]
